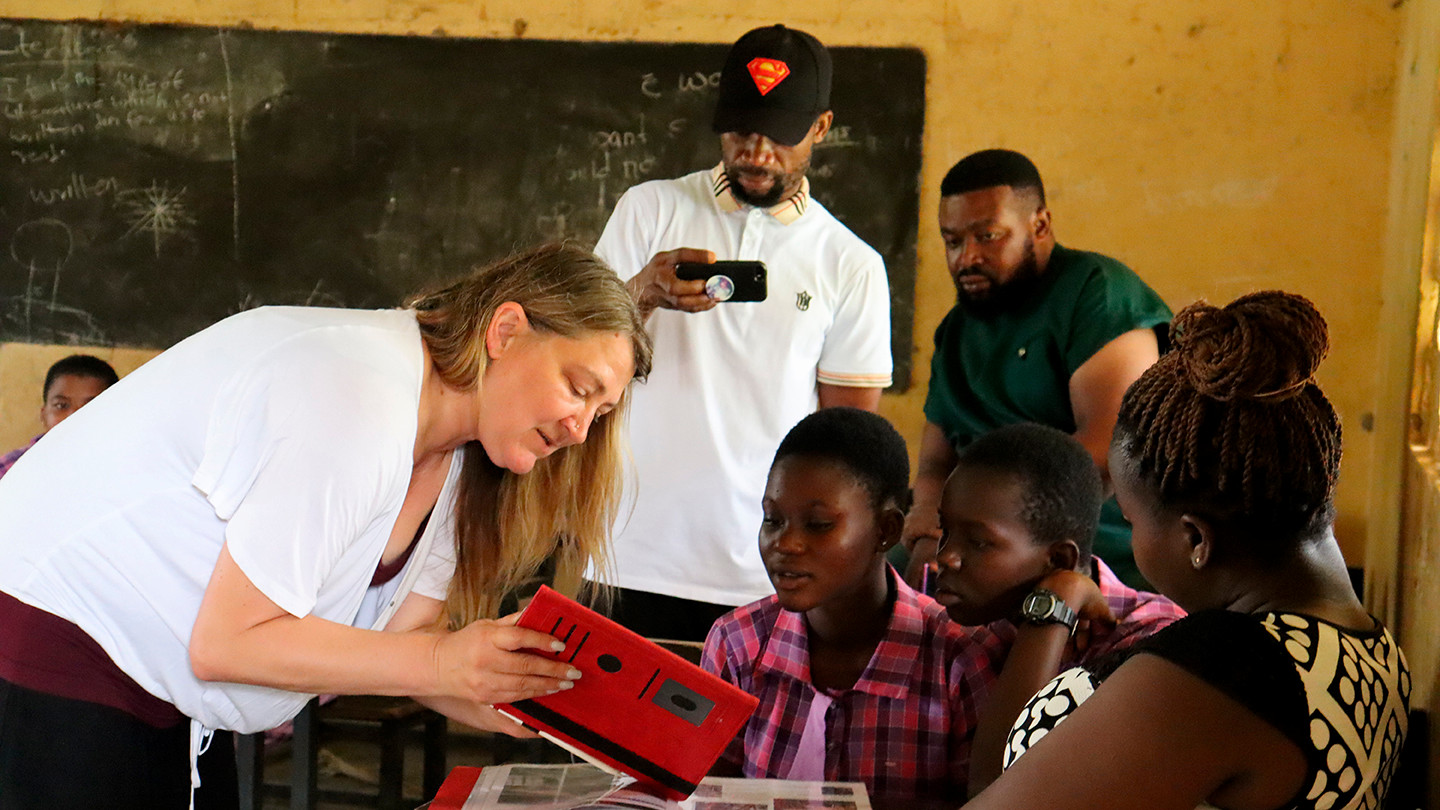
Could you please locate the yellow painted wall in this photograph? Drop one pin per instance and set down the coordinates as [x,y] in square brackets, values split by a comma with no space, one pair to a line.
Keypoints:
[1217,146]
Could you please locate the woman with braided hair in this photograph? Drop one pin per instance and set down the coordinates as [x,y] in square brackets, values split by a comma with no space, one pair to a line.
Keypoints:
[1278,690]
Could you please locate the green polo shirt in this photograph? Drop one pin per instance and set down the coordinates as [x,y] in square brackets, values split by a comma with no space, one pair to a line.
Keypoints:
[1015,366]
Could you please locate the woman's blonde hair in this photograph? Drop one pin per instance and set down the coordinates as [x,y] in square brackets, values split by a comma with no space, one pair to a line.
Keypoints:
[507,525]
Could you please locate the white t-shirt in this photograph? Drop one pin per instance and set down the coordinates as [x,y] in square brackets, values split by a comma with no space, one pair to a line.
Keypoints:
[286,433]
[728,384]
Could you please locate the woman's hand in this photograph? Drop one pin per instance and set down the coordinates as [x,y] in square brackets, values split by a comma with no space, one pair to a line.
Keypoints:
[488,662]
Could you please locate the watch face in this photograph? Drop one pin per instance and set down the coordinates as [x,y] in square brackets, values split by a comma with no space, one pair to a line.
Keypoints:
[1038,605]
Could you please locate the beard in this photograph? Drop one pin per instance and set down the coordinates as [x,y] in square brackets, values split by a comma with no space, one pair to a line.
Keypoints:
[780,181]
[1003,297]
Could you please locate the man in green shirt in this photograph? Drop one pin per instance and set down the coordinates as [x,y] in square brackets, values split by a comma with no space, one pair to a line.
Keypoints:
[1040,333]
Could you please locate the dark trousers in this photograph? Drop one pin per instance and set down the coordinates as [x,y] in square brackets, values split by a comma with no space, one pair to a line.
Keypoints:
[61,753]
[654,615]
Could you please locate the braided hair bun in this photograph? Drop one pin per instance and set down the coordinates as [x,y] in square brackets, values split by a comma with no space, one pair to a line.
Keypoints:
[1265,345]
[1231,422]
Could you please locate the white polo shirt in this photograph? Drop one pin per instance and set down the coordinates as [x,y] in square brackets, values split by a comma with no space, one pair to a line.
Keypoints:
[728,384]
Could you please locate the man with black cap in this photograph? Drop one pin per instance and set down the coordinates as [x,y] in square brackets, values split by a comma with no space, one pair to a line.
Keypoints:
[730,379]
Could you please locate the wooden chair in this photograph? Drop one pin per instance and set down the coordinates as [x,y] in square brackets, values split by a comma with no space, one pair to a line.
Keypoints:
[384,720]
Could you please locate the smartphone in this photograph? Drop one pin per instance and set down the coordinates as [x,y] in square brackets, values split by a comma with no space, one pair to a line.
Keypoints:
[727,280]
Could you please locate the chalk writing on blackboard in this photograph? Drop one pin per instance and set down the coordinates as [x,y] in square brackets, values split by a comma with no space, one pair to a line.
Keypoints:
[159,211]
[154,179]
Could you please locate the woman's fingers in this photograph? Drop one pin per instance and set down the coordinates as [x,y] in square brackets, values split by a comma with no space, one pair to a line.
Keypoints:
[526,664]
[509,689]
[491,662]
[511,637]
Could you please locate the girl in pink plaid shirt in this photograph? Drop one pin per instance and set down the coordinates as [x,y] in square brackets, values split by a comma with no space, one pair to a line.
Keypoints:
[854,670]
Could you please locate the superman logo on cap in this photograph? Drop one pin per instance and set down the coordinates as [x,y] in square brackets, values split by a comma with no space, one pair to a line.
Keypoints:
[767,73]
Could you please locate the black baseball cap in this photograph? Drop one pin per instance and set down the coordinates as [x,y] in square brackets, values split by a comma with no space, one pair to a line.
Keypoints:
[776,81]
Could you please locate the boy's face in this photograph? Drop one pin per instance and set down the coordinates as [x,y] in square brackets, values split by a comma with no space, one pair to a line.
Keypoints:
[988,560]
[820,537]
[65,396]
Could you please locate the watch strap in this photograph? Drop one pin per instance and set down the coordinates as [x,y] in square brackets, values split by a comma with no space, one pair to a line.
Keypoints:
[1059,611]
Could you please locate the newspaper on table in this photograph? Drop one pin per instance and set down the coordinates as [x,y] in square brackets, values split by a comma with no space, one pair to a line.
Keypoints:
[578,786]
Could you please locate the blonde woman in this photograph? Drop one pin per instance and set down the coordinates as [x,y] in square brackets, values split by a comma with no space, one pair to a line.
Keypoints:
[299,501]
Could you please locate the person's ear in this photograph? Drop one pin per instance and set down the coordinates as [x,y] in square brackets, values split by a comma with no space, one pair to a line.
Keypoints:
[507,324]
[891,525]
[1064,555]
[1199,537]
[821,127]
[1040,223]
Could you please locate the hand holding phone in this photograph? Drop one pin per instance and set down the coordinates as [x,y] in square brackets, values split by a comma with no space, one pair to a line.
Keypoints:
[728,280]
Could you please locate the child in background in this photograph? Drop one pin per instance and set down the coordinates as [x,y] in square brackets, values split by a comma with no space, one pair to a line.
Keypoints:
[70,383]
[1018,514]
[857,673]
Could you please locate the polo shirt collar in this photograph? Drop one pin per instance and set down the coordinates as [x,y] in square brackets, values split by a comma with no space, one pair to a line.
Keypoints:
[892,668]
[785,212]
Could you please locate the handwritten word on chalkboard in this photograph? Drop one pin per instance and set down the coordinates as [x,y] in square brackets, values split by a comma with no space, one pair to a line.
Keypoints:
[154,179]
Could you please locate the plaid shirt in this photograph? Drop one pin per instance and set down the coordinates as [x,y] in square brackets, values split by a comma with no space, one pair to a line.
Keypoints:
[1137,614]
[8,460]
[894,730]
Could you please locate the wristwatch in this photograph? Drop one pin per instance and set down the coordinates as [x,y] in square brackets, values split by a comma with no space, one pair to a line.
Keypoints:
[1044,606]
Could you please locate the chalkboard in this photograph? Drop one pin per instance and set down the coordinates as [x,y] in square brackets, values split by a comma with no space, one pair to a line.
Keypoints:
[155,179]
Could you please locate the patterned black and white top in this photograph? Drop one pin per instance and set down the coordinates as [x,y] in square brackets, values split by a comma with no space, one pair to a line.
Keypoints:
[1341,695]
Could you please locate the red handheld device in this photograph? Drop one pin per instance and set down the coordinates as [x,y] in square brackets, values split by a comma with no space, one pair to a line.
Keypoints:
[637,708]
